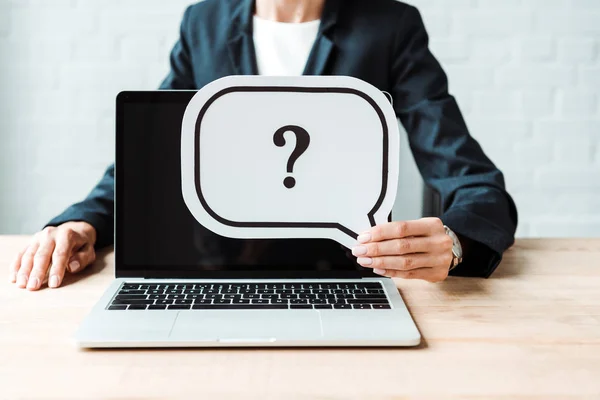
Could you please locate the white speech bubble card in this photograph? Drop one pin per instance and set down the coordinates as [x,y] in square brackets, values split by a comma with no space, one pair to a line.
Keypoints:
[290,157]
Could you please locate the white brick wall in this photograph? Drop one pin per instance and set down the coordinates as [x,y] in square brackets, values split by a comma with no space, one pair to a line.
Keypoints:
[525,72]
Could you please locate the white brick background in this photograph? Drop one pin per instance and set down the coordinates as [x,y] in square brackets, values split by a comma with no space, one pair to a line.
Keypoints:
[526,74]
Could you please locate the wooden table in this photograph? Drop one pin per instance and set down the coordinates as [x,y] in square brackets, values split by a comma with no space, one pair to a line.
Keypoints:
[532,331]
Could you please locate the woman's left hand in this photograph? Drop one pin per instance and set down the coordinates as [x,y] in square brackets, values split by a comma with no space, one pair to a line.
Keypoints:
[418,249]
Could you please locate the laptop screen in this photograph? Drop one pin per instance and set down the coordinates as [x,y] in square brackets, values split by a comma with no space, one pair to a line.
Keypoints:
[157,236]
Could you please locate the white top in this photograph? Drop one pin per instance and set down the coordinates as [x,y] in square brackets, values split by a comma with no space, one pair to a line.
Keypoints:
[282,48]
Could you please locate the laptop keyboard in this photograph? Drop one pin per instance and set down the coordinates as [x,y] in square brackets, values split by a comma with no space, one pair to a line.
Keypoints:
[246,296]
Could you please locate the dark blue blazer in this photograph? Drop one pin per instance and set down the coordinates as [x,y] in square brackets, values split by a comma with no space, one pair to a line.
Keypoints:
[383,42]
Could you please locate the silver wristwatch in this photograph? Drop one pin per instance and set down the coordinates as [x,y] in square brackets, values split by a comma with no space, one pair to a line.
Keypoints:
[457,253]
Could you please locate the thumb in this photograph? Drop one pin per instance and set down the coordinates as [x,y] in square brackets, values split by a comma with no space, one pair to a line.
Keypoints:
[81,258]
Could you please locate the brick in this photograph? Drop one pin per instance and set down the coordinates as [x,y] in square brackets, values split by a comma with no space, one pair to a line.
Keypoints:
[536,76]
[27,77]
[557,178]
[45,51]
[589,77]
[568,22]
[490,50]
[43,22]
[536,103]
[436,23]
[548,4]
[587,226]
[469,76]
[581,50]
[542,48]
[534,203]
[97,48]
[559,129]
[450,50]
[577,102]
[495,103]
[574,151]
[517,177]
[535,153]
[143,49]
[501,129]
[494,4]
[492,23]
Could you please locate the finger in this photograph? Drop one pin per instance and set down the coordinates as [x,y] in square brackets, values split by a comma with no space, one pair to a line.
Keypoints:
[41,262]
[14,266]
[66,241]
[82,258]
[26,264]
[402,229]
[426,274]
[398,247]
[407,262]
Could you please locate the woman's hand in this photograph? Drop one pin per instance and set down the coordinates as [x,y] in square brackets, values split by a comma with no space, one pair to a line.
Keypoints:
[418,249]
[52,252]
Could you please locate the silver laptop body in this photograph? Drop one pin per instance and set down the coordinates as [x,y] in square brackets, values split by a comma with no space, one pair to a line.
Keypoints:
[156,301]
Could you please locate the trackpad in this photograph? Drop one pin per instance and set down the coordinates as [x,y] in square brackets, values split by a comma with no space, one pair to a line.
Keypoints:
[242,325]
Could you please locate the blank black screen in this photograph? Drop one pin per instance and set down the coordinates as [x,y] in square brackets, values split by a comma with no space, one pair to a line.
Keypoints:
[156,234]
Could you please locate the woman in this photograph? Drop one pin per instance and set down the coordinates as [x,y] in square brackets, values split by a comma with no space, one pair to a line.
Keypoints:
[383,42]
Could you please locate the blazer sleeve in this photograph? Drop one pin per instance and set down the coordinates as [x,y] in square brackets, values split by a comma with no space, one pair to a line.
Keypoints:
[98,207]
[474,200]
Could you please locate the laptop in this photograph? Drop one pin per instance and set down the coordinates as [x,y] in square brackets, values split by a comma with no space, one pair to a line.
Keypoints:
[179,284]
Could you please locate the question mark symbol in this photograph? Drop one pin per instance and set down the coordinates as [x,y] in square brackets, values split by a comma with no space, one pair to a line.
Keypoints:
[302,142]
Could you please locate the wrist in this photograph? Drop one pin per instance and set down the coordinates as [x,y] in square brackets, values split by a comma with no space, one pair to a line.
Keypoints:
[457,248]
[85,229]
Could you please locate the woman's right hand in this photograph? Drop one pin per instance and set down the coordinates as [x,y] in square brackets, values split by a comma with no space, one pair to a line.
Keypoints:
[51,253]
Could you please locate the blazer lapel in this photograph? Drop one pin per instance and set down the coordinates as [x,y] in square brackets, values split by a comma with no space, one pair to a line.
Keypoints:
[240,43]
[324,45]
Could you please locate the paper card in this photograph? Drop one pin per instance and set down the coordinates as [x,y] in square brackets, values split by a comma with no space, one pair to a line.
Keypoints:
[290,157]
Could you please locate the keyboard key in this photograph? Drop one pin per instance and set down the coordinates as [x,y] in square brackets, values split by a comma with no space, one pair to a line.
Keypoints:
[164,301]
[298,301]
[157,307]
[365,301]
[370,296]
[260,301]
[222,301]
[136,302]
[176,296]
[239,307]
[301,306]
[323,306]
[372,285]
[137,307]
[179,306]
[380,306]
[132,292]
[342,306]
[361,306]
[131,297]
[117,307]
[240,301]
[183,302]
